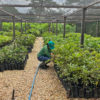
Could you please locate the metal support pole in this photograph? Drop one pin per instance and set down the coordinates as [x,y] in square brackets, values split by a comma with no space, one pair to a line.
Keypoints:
[21,27]
[56,28]
[13,27]
[83,27]
[25,27]
[64,27]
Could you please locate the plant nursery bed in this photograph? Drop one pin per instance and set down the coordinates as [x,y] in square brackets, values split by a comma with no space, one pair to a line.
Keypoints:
[13,66]
[5,44]
[78,91]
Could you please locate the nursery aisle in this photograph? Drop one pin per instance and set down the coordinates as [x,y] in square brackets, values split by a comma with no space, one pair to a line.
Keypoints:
[47,85]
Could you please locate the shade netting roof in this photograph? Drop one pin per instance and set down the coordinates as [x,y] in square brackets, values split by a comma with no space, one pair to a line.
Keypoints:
[49,10]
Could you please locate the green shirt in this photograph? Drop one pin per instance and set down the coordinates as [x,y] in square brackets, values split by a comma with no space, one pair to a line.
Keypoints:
[44,52]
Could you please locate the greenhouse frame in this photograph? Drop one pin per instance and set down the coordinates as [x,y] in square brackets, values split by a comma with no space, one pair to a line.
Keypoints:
[53,12]
[52,40]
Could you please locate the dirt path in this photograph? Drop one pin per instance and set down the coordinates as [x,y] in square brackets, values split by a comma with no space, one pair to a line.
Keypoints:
[47,85]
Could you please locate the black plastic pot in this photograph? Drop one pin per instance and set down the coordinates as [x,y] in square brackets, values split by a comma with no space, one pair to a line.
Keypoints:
[95,94]
[75,91]
[81,92]
[68,93]
[98,92]
[18,66]
[67,86]
[9,66]
[1,67]
[78,90]
[88,93]
[6,67]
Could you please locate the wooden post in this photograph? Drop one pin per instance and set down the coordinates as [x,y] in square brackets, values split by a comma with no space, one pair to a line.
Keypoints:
[56,28]
[97,29]
[85,31]
[52,27]
[76,28]
[21,27]
[0,25]
[83,27]
[49,27]
[25,27]
[64,27]
[13,27]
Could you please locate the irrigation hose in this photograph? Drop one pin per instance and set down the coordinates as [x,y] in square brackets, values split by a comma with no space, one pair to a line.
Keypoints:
[34,79]
[33,83]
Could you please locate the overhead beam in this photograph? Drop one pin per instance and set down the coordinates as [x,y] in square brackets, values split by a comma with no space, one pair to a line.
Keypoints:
[38,5]
[51,15]
[93,3]
[51,18]
[73,21]
[68,20]
[52,6]
[45,15]
[60,17]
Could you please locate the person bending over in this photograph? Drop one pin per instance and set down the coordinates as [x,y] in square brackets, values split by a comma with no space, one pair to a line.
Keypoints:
[45,54]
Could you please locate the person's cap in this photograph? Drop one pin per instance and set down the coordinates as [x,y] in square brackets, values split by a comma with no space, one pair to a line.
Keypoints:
[51,44]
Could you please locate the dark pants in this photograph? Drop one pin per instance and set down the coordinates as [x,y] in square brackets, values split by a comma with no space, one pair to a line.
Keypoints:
[43,58]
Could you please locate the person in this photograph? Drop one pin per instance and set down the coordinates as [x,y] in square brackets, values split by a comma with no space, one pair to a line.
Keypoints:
[45,54]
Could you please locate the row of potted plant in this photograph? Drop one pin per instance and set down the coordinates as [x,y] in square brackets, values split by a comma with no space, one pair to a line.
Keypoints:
[77,68]
[15,55]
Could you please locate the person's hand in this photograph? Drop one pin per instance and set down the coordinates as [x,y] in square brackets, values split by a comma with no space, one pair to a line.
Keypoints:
[52,54]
